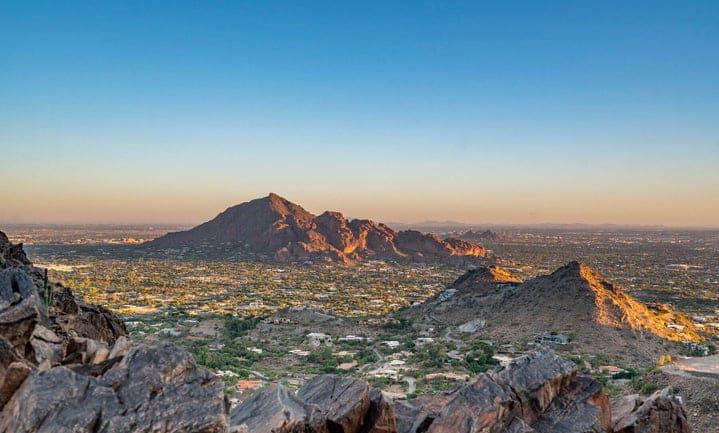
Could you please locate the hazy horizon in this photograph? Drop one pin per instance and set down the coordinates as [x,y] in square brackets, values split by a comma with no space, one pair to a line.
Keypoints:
[504,114]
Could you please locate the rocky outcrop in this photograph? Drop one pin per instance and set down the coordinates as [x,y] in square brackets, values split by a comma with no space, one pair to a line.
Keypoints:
[325,404]
[513,396]
[661,412]
[11,254]
[285,231]
[153,389]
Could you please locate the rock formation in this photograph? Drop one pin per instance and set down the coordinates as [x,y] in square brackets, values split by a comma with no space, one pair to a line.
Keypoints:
[538,393]
[573,299]
[67,366]
[285,231]
[326,404]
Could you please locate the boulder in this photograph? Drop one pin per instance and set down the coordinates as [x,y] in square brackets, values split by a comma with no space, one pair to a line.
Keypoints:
[13,371]
[20,309]
[523,390]
[417,414]
[153,389]
[275,409]
[344,401]
[47,346]
[582,408]
[98,323]
[122,345]
[535,380]
[662,412]
[326,404]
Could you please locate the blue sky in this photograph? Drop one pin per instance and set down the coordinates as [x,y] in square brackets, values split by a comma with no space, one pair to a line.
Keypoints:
[503,112]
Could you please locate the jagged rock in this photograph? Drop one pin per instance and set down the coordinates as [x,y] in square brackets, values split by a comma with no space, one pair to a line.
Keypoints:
[153,389]
[524,389]
[11,254]
[87,348]
[20,308]
[417,414]
[483,406]
[535,380]
[662,412]
[344,401]
[98,323]
[381,416]
[582,408]
[122,345]
[326,404]
[13,371]
[275,409]
[46,345]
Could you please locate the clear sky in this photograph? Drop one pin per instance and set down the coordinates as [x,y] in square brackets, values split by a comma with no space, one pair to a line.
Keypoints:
[501,112]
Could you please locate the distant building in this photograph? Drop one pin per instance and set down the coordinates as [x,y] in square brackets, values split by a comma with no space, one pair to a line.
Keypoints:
[392,344]
[447,294]
[316,339]
[548,338]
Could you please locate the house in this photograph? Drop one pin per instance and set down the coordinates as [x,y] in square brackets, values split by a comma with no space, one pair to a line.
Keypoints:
[392,344]
[316,339]
[612,370]
[351,338]
[552,338]
[243,384]
[447,294]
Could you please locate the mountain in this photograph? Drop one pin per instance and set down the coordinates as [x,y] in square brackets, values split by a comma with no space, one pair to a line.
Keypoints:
[276,227]
[487,235]
[574,300]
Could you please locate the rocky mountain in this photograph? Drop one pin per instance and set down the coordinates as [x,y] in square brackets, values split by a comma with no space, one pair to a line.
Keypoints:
[68,367]
[278,228]
[574,300]
[487,235]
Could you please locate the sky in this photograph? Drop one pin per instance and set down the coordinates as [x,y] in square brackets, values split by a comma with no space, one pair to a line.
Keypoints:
[480,112]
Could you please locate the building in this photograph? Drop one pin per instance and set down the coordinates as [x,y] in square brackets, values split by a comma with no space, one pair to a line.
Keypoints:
[549,338]
[316,339]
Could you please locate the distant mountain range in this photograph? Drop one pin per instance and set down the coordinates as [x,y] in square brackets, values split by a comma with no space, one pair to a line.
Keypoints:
[285,231]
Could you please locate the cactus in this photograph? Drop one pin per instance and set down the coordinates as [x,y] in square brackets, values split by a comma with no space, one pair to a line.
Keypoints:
[48,293]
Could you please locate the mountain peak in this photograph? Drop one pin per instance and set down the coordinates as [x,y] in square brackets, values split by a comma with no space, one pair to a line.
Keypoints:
[275,226]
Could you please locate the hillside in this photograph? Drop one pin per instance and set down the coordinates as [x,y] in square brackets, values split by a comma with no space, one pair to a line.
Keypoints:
[574,300]
[278,228]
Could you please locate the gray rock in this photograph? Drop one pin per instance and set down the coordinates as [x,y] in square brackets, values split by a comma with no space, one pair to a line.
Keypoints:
[153,389]
[47,347]
[13,371]
[582,408]
[326,404]
[662,412]
[275,409]
[20,309]
[524,389]
[344,401]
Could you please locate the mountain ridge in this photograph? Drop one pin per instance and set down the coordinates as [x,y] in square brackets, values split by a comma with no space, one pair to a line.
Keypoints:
[279,228]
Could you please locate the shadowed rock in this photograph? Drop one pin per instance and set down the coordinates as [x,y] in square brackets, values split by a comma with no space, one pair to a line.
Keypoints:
[659,413]
[276,409]
[326,404]
[582,408]
[153,389]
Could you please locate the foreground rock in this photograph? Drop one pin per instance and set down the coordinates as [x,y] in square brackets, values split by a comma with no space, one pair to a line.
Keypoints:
[153,389]
[661,412]
[325,404]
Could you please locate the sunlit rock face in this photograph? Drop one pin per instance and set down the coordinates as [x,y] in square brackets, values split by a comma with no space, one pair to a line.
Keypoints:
[285,231]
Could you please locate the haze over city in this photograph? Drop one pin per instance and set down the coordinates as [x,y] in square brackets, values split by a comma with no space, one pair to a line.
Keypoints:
[511,114]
